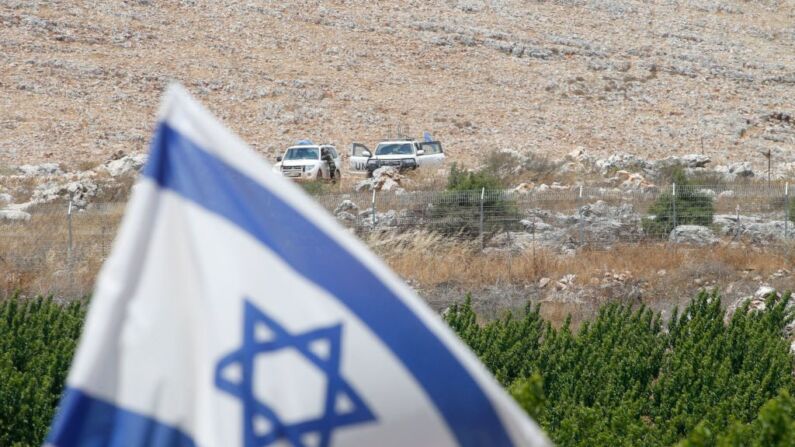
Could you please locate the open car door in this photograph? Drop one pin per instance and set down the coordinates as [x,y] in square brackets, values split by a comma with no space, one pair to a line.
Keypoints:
[432,153]
[358,157]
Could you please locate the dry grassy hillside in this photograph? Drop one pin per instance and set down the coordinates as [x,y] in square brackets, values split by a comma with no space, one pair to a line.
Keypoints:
[80,80]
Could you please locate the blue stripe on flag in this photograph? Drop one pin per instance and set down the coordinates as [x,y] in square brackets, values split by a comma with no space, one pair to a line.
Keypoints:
[86,421]
[178,164]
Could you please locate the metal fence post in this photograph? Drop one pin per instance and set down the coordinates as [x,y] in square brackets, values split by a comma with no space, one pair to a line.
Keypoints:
[69,230]
[535,265]
[373,206]
[786,211]
[482,196]
[578,202]
[739,224]
[673,201]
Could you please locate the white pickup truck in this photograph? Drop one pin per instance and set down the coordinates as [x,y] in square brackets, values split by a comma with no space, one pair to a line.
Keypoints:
[310,162]
[403,154]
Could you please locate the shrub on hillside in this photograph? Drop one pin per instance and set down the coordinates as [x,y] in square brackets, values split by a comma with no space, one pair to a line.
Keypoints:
[689,206]
[461,179]
[457,210]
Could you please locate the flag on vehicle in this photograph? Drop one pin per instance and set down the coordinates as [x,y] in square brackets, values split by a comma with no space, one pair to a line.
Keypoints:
[427,137]
[234,311]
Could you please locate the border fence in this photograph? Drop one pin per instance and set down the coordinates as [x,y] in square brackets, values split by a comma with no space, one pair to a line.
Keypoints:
[61,250]
[592,217]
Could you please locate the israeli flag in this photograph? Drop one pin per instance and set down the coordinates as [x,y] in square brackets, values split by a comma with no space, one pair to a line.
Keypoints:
[427,137]
[234,311]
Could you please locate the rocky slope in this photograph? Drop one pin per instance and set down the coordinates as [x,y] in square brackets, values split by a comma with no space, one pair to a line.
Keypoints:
[80,80]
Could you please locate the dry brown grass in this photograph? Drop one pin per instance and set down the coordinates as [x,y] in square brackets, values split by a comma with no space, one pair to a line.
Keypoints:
[657,275]
[34,259]
[35,256]
[432,260]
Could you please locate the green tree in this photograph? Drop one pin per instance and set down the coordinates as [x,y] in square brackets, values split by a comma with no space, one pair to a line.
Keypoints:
[457,210]
[626,379]
[688,206]
[37,342]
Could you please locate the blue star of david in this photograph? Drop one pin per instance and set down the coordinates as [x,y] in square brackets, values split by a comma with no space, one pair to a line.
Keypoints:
[253,409]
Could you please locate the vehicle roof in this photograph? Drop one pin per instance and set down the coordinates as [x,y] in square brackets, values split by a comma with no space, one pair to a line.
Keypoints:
[309,146]
[397,141]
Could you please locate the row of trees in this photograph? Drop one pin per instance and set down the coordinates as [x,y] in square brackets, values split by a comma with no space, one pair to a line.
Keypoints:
[626,378]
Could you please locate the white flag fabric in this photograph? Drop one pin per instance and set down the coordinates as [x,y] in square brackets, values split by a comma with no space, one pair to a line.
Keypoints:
[235,311]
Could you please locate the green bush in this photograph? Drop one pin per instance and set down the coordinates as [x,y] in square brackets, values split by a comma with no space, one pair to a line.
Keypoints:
[37,342]
[690,206]
[463,180]
[456,211]
[774,426]
[624,378]
[627,379]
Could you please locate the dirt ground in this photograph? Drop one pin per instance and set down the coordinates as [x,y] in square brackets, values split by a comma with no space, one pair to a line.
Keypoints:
[81,80]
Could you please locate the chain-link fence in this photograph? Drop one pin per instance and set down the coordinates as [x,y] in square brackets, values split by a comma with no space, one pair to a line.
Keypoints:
[581,216]
[61,251]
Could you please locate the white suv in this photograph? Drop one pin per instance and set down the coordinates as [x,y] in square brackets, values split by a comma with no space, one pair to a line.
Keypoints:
[310,162]
[403,154]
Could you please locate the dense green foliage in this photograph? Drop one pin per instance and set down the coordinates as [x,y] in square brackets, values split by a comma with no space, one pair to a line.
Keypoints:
[624,379]
[457,210]
[689,206]
[463,180]
[37,342]
[627,379]
[775,426]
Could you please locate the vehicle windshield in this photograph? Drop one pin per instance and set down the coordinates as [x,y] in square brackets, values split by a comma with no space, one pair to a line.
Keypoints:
[394,149]
[302,153]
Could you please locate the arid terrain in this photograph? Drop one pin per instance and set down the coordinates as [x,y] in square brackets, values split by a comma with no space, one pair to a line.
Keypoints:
[81,80]
[550,96]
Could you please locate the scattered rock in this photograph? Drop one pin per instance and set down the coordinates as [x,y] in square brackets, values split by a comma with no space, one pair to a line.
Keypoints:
[125,165]
[524,188]
[756,302]
[345,216]
[12,215]
[736,170]
[80,191]
[39,170]
[386,178]
[346,206]
[693,234]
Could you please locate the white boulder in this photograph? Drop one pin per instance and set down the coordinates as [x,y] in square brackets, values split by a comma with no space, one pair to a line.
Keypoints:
[12,215]
[128,164]
[39,170]
[693,234]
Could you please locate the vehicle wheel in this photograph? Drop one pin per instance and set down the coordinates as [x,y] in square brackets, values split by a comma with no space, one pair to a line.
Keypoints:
[319,175]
